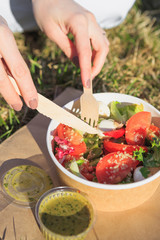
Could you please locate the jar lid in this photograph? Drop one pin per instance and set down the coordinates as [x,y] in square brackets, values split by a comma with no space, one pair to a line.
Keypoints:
[24,184]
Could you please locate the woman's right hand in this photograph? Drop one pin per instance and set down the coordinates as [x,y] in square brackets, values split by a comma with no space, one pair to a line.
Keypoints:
[12,63]
[58,18]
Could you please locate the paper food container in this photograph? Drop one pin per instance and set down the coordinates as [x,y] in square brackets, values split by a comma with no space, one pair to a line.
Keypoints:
[109,197]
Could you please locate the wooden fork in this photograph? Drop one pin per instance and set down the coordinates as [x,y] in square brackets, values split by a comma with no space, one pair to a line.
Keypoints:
[89,107]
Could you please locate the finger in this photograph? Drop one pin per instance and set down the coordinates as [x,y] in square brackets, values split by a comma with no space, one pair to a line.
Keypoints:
[61,39]
[101,49]
[17,66]
[81,51]
[83,48]
[7,90]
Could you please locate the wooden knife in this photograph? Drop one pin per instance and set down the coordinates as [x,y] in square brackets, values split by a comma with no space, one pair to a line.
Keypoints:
[53,111]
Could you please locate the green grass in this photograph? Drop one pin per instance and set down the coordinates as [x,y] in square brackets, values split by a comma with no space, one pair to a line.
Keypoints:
[132,67]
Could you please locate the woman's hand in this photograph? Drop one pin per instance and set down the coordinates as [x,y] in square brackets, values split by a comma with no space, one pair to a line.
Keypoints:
[57,18]
[12,63]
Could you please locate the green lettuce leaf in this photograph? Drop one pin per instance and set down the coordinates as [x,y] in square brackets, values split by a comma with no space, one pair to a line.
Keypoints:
[121,113]
[94,146]
[152,158]
[145,172]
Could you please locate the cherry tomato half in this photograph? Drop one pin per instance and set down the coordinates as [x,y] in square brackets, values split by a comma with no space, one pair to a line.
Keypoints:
[114,167]
[70,134]
[78,149]
[137,127]
[153,131]
[115,133]
[74,138]
[115,147]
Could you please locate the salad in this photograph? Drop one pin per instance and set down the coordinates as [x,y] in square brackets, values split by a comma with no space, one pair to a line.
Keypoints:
[128,151]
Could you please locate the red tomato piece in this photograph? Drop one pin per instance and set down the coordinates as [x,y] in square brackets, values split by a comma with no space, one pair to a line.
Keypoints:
[115,147]
[153,131]
[114,167]
[115,133]
[60,131]
[70,134]
[74,139]
[137,127]
[78,149]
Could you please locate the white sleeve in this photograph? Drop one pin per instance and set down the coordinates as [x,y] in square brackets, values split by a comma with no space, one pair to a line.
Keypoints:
[18,14]
[108,13]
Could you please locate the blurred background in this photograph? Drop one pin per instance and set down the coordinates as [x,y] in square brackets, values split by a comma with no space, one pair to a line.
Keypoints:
[132,65]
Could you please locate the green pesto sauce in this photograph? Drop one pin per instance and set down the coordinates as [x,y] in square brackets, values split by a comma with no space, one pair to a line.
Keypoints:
[67,214]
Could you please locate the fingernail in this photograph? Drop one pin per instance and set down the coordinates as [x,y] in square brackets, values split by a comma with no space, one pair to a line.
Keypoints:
[75,60]
[16,107]
[33,103]
[88,83]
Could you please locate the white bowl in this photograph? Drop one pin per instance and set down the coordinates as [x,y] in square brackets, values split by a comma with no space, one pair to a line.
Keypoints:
[109,197]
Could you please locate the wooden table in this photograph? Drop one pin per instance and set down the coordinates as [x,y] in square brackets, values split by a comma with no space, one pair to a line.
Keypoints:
[17,223]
